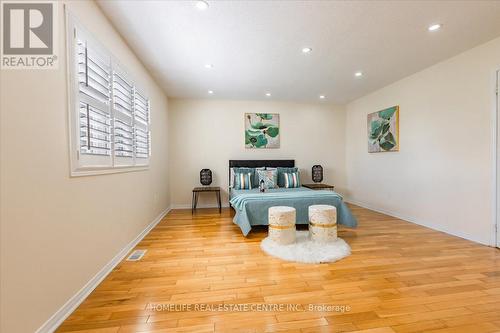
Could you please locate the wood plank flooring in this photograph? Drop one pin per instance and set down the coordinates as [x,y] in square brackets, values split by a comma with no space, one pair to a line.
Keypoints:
[400,278]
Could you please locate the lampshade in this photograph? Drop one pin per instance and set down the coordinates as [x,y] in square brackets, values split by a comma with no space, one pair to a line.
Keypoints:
[317,173]
[205,177]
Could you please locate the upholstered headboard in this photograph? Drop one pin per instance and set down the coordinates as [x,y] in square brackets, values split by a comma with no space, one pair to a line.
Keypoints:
[259,163]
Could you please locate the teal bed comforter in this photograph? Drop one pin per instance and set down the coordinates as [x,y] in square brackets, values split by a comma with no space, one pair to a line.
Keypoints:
[251,206]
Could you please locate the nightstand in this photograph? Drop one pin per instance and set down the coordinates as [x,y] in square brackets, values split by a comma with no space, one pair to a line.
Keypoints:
[198,190]
[319,186]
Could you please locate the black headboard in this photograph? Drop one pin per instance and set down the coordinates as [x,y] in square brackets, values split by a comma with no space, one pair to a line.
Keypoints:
[259,163]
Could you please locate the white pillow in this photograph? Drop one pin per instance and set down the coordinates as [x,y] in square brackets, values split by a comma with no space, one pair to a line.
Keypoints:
[231,177]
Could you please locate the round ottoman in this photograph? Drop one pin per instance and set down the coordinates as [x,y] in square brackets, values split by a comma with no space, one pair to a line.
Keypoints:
[282,224]
[323,223]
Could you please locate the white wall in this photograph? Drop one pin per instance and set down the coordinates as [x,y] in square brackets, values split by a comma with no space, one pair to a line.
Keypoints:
[57,232]
[207,134]
[443,175]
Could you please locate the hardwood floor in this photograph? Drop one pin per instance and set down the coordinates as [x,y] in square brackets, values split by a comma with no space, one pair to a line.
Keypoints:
[400,278]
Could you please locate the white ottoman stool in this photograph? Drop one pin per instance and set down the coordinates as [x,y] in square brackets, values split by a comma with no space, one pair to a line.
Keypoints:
[282,224]
[323,223]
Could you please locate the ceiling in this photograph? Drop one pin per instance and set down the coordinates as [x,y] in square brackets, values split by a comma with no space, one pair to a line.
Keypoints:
[255,46]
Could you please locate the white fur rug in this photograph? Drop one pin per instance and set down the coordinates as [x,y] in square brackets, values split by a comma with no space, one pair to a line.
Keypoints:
[306,251]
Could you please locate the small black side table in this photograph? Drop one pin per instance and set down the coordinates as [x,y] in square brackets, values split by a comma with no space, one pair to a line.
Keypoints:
[198,190]
[319,186]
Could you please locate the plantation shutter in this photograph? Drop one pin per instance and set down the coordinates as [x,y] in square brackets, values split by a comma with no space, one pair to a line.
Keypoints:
[93,76]
[141,125]
[123,112]
[109,116]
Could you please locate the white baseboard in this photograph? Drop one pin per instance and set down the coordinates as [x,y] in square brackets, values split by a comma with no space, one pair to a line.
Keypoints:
[188,206]
[417,221]
[53,323]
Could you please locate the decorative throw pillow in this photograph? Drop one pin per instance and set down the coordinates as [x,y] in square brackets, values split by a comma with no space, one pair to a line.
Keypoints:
[270,178]
[243,181]
[281,171]
[234,171]
[231,178]
[256,178]
[292,180]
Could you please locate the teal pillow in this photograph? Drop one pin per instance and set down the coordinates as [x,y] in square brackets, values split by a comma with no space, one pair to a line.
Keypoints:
[292,180]
[281,171]
[270,178]
[243,181]
[245,170]
[234,171]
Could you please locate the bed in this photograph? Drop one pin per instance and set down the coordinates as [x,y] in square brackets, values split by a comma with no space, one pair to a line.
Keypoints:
[251,206]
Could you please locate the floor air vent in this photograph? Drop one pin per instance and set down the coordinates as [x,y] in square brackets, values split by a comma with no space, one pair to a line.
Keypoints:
[136,255]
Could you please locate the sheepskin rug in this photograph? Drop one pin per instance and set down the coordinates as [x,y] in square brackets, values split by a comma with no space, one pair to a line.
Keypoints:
[306,251]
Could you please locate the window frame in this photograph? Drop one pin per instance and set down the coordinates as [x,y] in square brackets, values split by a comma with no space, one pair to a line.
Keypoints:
[73,29]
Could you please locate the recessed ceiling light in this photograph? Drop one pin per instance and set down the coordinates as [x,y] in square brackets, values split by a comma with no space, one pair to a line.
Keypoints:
[434,27]
[358,74]
[268,94]
[209,66]
[322,96]
[210,92]
[201,5]
[307,50]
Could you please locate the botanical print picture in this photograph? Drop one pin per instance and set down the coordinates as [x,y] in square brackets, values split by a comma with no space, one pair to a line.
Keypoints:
[383,130]
[262,130]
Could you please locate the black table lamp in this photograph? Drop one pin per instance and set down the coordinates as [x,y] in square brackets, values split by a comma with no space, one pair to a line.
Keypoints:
[205,177]
[317,173]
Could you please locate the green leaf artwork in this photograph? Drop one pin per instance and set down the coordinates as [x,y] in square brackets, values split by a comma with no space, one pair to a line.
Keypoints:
[383,130]
[262,130]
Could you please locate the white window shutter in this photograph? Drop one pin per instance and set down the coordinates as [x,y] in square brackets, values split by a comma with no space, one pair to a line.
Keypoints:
[142,128]
[93,109]
[109,116]
[123,119]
